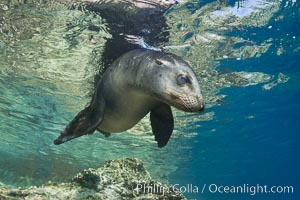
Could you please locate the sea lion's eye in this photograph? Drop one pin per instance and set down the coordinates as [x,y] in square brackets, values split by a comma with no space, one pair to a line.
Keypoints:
[182,79]
[158,62]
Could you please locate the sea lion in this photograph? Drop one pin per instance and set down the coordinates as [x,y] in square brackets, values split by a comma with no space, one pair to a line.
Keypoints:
[139,82]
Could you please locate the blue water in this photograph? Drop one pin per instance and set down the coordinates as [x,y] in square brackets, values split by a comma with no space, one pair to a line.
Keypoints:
[252,138]
[260,150]
[263,150]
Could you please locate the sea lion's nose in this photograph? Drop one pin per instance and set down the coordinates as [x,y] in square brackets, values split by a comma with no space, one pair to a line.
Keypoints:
[201,107]
[200,104]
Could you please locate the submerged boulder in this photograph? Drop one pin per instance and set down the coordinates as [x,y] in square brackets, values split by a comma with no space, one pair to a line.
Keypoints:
[117,179]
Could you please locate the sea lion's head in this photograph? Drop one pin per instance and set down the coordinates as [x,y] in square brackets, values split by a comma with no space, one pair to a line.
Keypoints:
[176,83]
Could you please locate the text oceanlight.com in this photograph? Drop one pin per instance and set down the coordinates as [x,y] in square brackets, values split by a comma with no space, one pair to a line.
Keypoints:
[213,189]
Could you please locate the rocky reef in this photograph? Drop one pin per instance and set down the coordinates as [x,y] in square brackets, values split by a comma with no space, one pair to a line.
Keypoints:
[117,179]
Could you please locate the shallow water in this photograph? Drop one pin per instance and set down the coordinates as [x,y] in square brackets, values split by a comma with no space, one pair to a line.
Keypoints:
[247,60]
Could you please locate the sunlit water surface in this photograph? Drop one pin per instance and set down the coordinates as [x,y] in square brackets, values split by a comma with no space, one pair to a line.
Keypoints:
[248,70]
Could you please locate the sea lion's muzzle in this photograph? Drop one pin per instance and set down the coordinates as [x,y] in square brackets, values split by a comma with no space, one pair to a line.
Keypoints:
[187,103]
[192,103]
[199,108]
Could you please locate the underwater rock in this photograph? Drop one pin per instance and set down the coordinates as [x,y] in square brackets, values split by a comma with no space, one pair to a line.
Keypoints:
[243,79]
[281,79]
[117,179]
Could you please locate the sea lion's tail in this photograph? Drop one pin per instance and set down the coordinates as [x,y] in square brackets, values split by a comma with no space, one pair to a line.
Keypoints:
[85,122]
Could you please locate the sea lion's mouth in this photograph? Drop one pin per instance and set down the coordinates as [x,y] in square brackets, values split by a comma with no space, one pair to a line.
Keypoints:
[186,103]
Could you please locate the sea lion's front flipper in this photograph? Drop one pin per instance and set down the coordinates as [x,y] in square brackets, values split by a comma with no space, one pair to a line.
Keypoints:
[85,122]
[162,124]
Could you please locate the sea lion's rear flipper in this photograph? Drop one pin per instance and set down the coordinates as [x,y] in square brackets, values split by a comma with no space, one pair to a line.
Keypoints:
[85,122]
[162,124]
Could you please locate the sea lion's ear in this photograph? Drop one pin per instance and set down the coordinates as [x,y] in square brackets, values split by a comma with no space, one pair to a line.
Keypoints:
[85,122]
[162,123]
